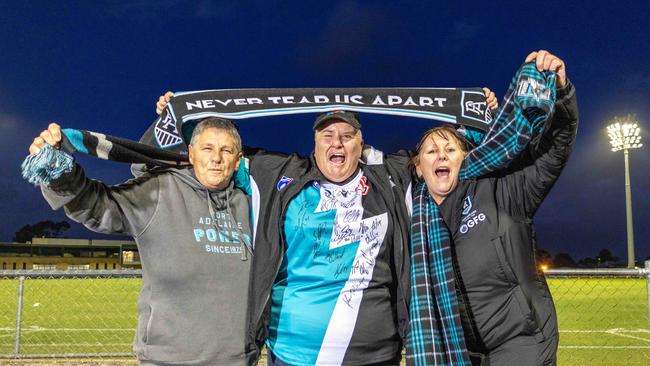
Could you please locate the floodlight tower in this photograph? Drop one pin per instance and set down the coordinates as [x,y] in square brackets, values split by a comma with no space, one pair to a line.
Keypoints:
[624,134]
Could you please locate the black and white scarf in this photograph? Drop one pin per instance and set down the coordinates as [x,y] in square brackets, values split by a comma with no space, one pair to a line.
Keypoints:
[165,141]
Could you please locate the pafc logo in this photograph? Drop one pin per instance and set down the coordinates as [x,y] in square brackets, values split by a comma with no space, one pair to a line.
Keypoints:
[529,87]
[166,132]
[470,218]
[473,106]
[467,205]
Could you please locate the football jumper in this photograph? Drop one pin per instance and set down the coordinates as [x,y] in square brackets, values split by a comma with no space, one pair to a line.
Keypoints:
[322,289]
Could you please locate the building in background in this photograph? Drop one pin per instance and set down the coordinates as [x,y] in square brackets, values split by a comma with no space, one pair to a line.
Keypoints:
[80,254]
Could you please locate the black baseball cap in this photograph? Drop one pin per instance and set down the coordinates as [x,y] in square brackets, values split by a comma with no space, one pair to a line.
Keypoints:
[350,118]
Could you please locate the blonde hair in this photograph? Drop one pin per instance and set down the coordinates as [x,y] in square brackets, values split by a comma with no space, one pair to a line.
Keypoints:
[446,132]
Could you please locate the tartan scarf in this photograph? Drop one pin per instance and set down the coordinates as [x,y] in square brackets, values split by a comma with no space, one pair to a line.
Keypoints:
[435,332]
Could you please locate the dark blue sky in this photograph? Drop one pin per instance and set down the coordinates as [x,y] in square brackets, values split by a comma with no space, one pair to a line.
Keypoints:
[101,65]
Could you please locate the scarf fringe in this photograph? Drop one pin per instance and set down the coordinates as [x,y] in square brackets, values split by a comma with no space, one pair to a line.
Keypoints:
[49,164]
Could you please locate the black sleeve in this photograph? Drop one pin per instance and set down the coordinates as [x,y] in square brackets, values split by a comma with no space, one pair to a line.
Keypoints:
[525,184]
[268,168]
[399,167]
[268,160]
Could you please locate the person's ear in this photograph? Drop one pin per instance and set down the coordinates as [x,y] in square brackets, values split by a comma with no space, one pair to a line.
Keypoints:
[418,170]
[191,153]
[239,158]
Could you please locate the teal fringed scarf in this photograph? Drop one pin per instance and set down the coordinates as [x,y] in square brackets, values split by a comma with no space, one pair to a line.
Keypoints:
[49,164]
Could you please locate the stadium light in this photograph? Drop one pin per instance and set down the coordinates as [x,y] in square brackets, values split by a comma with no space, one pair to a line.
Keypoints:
[625,134]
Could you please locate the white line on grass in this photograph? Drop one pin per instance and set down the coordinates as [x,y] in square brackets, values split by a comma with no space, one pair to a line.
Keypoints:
[619,333]
[604,347]
[71,345]
[42,329]
[617,330]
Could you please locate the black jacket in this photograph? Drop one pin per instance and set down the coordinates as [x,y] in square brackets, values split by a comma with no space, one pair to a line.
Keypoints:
[276,179]
[501,291]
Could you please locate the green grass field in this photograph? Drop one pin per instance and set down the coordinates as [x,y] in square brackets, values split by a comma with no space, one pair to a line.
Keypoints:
[602,321]
[70,316]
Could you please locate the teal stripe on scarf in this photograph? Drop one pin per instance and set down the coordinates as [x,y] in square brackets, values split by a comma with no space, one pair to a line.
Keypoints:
[76,138]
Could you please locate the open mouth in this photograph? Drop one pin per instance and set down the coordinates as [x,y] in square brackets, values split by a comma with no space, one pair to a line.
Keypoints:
[337,158]
[442,172]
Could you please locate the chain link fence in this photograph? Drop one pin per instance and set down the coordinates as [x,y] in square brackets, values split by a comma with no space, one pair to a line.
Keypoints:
[61,314]
[603,314]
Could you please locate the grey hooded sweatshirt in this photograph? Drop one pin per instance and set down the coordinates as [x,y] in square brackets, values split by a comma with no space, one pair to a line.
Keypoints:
[193,301]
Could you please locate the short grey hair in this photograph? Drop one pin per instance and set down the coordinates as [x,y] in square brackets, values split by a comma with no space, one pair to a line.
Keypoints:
[220,124]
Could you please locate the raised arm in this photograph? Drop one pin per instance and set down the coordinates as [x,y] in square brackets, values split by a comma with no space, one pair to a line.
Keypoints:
[522,191]
[121,209]
[524,186]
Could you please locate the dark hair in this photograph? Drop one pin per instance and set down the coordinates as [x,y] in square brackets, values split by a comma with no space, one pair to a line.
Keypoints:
[445,132]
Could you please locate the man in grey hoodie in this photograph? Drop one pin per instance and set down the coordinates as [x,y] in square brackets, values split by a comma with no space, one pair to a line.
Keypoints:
[193,231]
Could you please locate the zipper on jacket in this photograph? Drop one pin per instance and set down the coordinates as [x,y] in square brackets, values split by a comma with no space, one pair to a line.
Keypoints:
[268,291]
[397,228]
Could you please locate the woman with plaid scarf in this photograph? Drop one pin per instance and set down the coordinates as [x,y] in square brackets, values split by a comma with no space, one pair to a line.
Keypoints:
[473,245]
